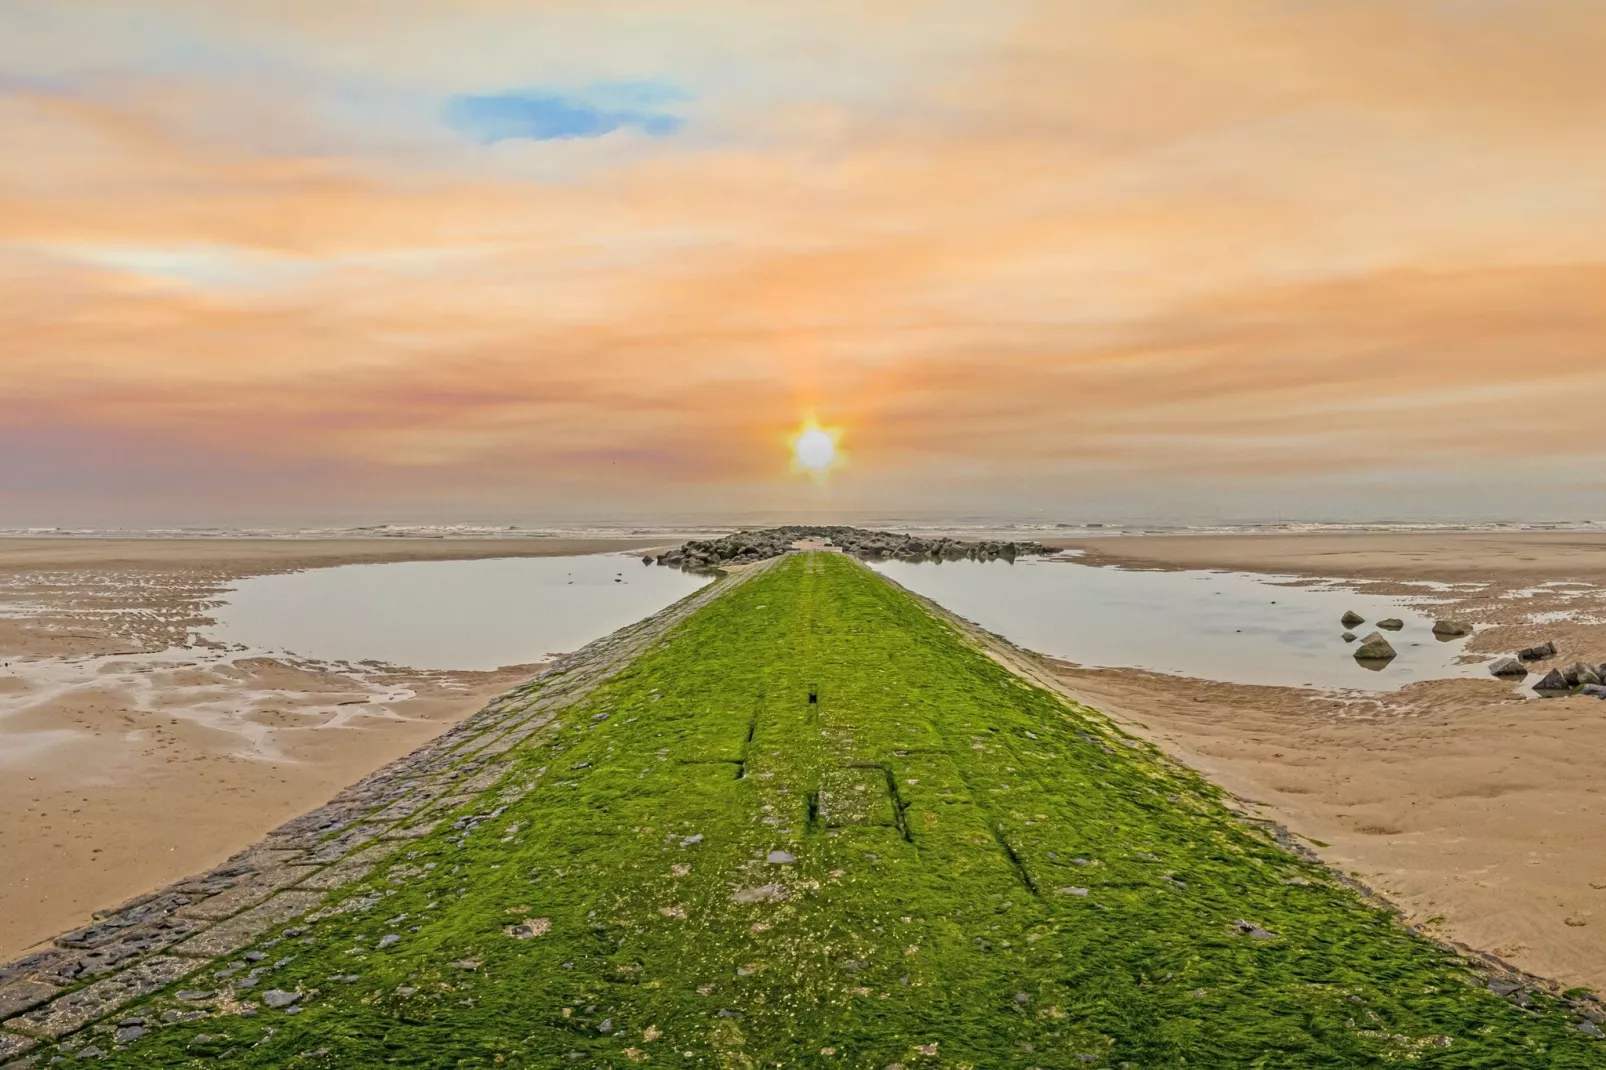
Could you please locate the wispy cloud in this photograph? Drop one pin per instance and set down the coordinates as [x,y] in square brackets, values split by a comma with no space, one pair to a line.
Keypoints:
[547,115]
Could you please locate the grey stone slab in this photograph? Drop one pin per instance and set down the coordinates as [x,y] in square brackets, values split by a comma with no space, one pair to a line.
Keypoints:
[345,843]
[352,869]
[409,805]
[486,777]
[250,893]
[11,1045]
[263,857]
[511,740]
[77,1009]
[242,929]
[21,995]
[412,832]
[475,744]
[452,802]
[81,964]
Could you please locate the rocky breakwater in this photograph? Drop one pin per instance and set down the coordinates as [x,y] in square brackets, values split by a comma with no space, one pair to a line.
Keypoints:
[746,547]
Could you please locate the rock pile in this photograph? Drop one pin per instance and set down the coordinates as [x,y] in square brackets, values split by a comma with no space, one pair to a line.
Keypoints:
[746,547]
[1579,676]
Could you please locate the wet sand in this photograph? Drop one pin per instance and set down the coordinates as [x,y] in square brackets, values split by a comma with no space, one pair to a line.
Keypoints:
[130,758]
[1477,811]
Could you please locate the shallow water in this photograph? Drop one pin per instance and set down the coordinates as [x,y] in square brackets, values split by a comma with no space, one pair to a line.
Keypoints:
[446,614]
[1233,627]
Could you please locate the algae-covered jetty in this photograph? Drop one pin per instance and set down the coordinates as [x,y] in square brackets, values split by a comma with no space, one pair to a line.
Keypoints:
[799,819]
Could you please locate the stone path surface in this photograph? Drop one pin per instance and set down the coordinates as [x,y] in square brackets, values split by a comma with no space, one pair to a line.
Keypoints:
[192,927]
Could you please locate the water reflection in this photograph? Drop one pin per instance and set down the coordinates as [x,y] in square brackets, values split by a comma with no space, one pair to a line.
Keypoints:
[1214,625]
[447,614]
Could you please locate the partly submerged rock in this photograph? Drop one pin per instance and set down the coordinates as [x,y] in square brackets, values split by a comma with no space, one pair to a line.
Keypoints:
[1374,648]
[1349,637]
[1580,673]
[1351,619]
[1553,681]
[1507,667]
[1393,624]
[1594,690]
[1544,650]
[1451,628]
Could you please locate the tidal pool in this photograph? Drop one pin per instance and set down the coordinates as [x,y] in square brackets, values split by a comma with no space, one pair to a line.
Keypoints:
[1227,626]
[446,614]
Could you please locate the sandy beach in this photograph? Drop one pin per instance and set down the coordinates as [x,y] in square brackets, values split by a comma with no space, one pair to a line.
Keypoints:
[1480,813]
[130,757]
[1477,811]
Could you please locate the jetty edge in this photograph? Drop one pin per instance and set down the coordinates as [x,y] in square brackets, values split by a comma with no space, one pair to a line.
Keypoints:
[798,818]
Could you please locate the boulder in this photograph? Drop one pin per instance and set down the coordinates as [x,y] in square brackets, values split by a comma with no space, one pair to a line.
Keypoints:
[1374,648]
[1349,637]
[1451,628]
[1351,619]
[1553,681]
[1579,673]
[1594,691]
[1507,667]
[1544,650]
[1393,624]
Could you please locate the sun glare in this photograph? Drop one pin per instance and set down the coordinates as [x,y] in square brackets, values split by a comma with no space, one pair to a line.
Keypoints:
[814,449]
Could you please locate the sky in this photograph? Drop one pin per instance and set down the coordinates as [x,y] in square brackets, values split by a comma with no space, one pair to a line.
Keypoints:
[285,260]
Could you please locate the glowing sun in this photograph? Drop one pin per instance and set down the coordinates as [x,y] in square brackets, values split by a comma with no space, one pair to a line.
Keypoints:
[814,449]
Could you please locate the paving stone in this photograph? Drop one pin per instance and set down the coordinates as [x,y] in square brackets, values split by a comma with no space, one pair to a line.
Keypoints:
[514,738]
[352,869]
[21,995]
[486,778]
[261,857]
[77,1009]
[247,894]
[11,1045]
[80,964]
[345,843]
[409,805]
[238,931]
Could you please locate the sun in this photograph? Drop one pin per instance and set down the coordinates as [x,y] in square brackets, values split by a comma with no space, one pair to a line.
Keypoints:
[815,449]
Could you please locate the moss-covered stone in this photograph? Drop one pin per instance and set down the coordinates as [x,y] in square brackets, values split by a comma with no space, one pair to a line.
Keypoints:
[934,864]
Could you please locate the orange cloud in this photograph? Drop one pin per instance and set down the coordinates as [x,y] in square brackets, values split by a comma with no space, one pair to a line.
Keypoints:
[1240,242]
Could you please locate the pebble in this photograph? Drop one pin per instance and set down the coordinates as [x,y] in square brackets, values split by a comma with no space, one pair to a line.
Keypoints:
[389,940]
[278,997]
[129,1033]
[781,858]
[691,840]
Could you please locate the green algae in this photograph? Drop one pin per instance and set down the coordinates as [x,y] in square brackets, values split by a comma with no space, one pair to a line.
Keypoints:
[932,863]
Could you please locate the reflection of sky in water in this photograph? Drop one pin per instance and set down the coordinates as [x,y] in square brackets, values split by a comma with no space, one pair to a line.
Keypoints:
[447,614]
[1215,625]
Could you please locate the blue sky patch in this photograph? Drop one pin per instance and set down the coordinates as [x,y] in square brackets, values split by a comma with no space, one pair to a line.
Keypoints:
[548,115]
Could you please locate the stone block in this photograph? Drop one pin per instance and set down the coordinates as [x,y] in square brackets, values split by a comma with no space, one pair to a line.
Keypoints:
[352,869]
[71,1012]
[22,995]
[243,929]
